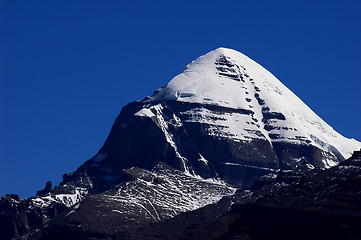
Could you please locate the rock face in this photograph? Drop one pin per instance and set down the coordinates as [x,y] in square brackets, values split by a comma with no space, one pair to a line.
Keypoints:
[221,124]
[20,216]
[46,190]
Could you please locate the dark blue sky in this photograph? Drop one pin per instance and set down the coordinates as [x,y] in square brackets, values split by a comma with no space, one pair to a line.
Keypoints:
[68,67]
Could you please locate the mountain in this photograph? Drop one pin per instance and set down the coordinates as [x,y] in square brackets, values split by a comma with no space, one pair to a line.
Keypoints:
[224,116]
[220,125]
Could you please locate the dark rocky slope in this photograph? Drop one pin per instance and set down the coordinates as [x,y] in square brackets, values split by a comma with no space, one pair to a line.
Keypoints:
[309,204]
[312,204]
[143,197]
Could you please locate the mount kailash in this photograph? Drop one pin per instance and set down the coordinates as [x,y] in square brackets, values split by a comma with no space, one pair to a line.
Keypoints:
[218,128]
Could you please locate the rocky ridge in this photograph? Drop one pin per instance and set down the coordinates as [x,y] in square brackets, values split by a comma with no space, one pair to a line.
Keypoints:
[312,204]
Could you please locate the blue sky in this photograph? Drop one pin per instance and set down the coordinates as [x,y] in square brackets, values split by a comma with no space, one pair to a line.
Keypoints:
[68,67]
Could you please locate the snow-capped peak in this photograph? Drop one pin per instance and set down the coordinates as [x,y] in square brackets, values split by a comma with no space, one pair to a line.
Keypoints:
[227,78]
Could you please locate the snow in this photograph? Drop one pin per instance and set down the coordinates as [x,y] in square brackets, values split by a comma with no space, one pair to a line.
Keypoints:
[202,159]
[67,199]
[329,163]
[163,122]
[117,211]
[175,192]
[201,82]
[145,112]
[72,211]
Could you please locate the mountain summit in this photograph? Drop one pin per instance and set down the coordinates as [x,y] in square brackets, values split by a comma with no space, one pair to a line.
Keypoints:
[219,126]
[227,78]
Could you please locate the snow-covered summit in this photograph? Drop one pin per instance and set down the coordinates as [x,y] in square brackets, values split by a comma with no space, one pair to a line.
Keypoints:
[227,78]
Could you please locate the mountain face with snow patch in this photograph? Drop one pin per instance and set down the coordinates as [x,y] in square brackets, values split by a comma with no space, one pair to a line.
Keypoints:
[224,116]
[221,124]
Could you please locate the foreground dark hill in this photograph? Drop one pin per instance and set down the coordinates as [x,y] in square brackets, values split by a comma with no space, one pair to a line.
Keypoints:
[221,124]
[312,204]
[309,204]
